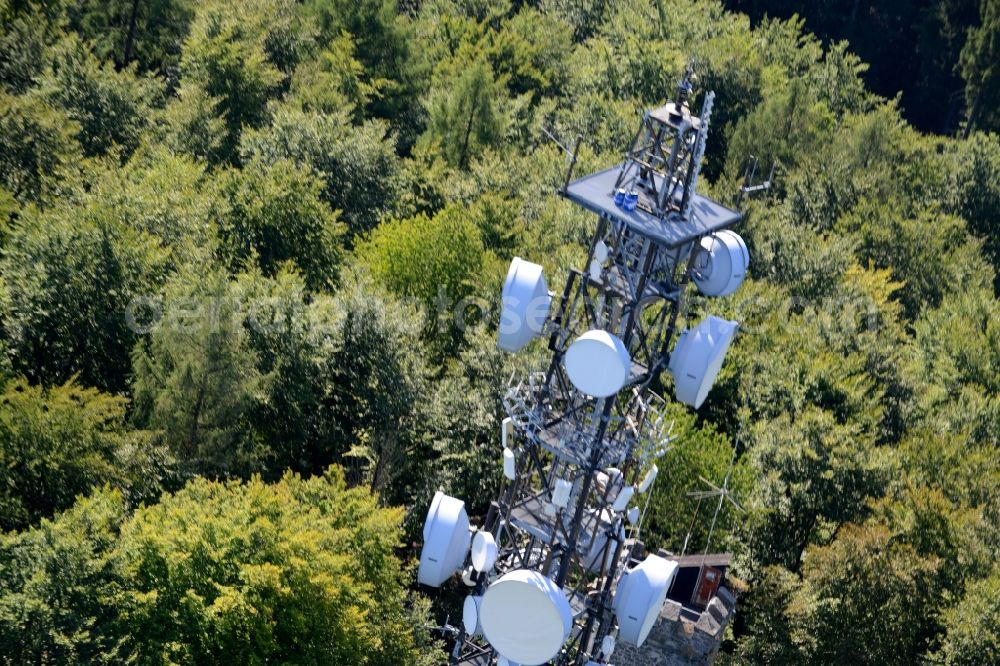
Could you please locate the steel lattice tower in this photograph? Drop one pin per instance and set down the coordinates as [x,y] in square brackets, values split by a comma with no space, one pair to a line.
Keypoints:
[639,263]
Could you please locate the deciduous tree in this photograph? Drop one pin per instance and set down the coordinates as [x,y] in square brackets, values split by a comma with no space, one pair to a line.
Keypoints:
[272,213]
[55,444]
[73,274]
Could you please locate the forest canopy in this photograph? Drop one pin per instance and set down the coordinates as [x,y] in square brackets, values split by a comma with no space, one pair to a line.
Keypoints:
[250,256]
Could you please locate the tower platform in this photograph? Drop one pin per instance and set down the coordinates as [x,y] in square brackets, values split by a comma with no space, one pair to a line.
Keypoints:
[596,193]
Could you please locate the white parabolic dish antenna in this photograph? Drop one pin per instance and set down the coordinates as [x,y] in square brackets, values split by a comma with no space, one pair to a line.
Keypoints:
[526,617]
[525,303]
[446,540]
[470,615]
[640,596]
[598,363]
[697,358]
[484,551]
[721,263]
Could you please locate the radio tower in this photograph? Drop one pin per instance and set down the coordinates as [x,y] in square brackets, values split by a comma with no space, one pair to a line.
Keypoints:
[553,578]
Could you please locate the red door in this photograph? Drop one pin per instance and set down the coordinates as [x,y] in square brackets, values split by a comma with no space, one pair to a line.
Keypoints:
[708,583]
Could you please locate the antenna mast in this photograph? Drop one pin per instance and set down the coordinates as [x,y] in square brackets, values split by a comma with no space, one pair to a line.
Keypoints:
[582,434]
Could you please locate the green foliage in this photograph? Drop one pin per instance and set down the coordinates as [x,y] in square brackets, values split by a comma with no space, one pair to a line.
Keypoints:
[530,52]
[976,193]
[633,57]
[809,262]
[125,31]
[871,157]
[789,123]
[193,125]
[55,444]
[160,194]
[957,534]
[334,83]
[346,381]
[865,599]
[432,260]
[112,108]
[586,16]
[73,274]
[766,635]
[8,207]
[839,81]
[379,380]
[272,214]
[249,572]
[57,584]
[463,416]
[292,335]
[929,254]
[498,221]
[195,376]
[978,63]
[22,42]
[695,452]
[464,117]
[812,474]
[828,345]
[912,47]
[973,625]
[953,368]
[239,571]
[385,49]
[36,145]
[226,55]
[357,164]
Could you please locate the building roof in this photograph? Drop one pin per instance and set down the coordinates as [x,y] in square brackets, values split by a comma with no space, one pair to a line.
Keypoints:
[717,560]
